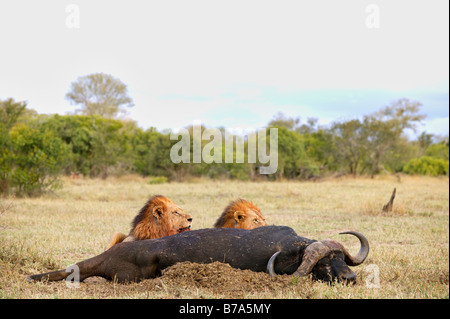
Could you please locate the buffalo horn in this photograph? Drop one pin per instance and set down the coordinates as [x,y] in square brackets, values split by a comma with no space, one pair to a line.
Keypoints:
[313,253]
[363,251]
[317,250]
[270,264]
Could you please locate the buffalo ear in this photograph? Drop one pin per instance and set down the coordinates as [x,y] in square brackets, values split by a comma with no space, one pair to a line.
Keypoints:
[239,216]
[157,211]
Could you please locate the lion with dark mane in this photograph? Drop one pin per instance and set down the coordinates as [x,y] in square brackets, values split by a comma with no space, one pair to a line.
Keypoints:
[241,214]
[159,217]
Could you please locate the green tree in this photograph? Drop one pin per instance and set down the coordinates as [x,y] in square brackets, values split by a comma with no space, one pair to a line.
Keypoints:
[383,132]
[106,145]
[99,94]
[76,132]
[280,120]
[349,142]
[292,159]
[424,140]
[98,146]
[320,149]
[141,141]
[159,160]
[367,146]
[153,155]
[10,111]
[39,158]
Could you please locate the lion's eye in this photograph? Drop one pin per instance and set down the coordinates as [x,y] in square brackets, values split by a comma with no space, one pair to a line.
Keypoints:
[177,213]
[256,221]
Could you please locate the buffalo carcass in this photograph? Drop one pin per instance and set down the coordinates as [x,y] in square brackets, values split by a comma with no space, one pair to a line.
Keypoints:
[275,249]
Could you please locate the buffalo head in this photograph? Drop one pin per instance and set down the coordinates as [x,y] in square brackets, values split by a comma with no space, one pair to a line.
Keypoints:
[328,260]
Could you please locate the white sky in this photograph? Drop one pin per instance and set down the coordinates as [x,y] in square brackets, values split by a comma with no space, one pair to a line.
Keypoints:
[232,63]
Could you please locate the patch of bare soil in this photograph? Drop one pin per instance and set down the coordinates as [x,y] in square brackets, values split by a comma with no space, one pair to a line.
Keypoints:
[187,280]
[221,280]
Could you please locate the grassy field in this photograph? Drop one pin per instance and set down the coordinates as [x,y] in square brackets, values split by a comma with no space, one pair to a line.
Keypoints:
[409,246]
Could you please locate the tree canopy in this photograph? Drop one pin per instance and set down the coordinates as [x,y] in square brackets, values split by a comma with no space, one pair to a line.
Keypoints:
[99,94]
[36,149]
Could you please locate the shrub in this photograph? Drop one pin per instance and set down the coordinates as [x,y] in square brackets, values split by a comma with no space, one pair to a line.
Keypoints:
[39,158]
[427,165]
[437,151]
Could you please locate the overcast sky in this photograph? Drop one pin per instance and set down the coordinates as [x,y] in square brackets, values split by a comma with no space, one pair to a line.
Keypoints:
[232,63]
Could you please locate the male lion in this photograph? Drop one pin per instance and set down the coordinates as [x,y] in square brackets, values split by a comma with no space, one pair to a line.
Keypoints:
[159,217]
[241,214]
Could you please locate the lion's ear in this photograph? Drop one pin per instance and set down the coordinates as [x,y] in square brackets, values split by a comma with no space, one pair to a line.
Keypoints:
[239,216]
[158,211]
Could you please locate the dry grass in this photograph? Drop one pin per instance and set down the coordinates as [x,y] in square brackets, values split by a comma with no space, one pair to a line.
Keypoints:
[409,246]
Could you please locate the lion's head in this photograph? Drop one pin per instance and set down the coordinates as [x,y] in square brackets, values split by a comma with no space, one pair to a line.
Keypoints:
[241,214]
[160,217]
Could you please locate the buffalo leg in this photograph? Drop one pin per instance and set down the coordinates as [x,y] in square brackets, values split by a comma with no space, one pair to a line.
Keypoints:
[114,264]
